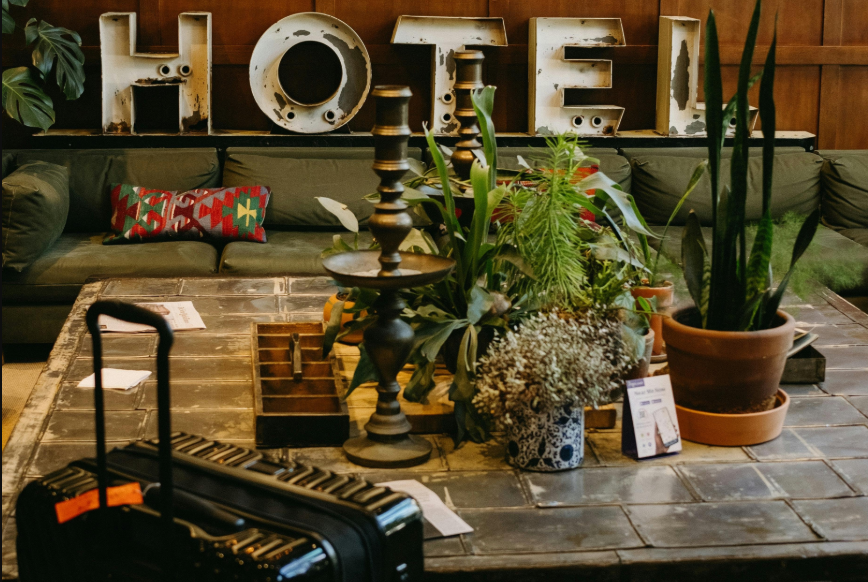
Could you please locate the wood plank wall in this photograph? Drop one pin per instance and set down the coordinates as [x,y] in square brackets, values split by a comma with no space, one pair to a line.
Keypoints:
[821,85]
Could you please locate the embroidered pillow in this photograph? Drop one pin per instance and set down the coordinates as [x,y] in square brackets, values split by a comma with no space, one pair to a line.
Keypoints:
[223,214]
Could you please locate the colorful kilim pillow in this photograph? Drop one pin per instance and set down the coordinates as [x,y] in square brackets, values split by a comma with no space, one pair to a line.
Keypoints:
[141,214]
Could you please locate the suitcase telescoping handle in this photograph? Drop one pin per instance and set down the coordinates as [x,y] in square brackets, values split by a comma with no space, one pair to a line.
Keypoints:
[135,314]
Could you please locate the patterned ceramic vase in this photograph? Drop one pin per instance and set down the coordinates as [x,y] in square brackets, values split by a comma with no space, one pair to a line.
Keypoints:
[552,441]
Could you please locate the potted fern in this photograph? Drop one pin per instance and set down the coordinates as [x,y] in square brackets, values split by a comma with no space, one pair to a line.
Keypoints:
[727,352]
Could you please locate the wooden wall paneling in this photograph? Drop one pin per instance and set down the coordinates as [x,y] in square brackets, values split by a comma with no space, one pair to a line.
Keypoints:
[854,29]
[374,20]
[638,16]
[800,21]
[852,119]
[232,23]
[149,31]
[830,77]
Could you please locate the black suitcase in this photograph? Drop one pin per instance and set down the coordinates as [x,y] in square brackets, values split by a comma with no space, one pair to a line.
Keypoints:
[210,511]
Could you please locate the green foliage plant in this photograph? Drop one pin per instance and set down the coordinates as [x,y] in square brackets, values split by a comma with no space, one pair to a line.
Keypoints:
[54,48]
[731,289]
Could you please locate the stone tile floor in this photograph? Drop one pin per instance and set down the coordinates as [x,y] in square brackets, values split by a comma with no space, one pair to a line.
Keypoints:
[793,508]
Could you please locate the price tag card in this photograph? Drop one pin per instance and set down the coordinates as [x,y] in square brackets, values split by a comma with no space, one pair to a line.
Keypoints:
[650,423]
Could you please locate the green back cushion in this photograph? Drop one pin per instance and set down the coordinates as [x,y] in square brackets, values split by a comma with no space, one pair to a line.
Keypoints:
[845,191]
[91,173]
[659,183]
[8,163]
[35,205]
[318,153]
[698,152]
[296,182]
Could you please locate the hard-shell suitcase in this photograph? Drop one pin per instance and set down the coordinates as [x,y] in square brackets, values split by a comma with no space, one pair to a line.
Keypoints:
[208,511]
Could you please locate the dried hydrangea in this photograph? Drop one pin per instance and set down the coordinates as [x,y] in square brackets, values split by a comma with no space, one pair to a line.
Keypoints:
[551,360]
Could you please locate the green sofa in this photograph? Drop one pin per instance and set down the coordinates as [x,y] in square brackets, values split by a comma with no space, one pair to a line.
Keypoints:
[37,300]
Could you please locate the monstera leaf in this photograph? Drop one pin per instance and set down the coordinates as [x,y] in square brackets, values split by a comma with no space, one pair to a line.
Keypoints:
[8,21]
[24,100]
[59,45]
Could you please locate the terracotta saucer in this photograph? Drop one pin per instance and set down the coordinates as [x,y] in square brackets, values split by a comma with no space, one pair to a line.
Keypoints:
[733,430]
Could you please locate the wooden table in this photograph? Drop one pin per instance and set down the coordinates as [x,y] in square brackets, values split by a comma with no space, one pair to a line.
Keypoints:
[792,509]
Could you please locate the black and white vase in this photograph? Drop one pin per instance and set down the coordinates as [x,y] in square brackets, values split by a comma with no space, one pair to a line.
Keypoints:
[547,441]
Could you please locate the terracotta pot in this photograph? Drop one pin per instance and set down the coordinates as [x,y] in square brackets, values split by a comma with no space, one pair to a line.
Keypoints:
[733,430]
[641,368]
[726,372]
[664,303]
[353,338]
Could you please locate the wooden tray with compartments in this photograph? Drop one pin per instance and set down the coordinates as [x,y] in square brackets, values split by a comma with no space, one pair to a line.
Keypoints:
[297,393]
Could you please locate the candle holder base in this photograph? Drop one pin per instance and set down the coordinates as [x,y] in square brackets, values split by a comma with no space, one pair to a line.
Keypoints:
[407,451]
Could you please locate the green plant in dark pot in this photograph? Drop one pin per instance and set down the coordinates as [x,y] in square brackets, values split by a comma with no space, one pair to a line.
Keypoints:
[727,353]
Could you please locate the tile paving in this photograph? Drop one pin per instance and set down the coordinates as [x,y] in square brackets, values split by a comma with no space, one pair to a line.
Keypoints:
[793,508]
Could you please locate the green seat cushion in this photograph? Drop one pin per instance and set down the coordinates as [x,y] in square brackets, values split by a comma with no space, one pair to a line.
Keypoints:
[614,166]
[8,163]
[91,172]
[35,205]
[835,154]
[285,253]
[845,191]
[60,272]
[700,152]
[828,250]
[659,183]
[860,235]
[295,183]
[318,153]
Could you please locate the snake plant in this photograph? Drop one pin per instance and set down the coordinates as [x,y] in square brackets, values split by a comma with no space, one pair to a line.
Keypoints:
[732,289]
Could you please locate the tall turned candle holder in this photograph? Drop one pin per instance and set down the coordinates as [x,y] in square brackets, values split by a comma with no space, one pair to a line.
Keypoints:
[387,442]
[468,78]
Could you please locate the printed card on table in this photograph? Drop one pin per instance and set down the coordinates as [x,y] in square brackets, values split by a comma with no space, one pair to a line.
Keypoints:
[650,423]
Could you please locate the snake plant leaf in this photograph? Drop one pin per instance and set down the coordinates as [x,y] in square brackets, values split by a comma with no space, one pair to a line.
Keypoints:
[768,116]
[479,180]
[54,44]
[483,106]
[24,100]
[341,211]
[694,257]
[609,190]
[760,256]
[803,241]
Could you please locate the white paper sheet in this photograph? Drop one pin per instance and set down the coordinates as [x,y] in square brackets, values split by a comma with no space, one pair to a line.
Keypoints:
[180,315]
[435,511]
[116,379]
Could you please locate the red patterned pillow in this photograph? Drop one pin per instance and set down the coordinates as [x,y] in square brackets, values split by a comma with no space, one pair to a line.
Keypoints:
[142,214]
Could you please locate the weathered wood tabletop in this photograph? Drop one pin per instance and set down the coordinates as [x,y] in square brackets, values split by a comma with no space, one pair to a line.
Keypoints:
[795,508]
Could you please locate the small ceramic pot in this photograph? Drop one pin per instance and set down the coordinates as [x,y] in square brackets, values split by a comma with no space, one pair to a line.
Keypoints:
[547,441]
[726,372]
[664,303]
[352,338]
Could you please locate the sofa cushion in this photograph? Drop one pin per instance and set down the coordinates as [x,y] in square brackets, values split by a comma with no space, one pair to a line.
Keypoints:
[58,275]
[700,152]
[91,173]
[285,253]
[35,205]
[8,163]
[845,191]
[218,214]
[659,183]
[614,166]
[828,250]
[860,235]
[295,183]
[350,153]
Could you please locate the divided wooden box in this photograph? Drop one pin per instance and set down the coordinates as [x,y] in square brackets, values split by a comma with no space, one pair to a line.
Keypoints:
[296,392]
